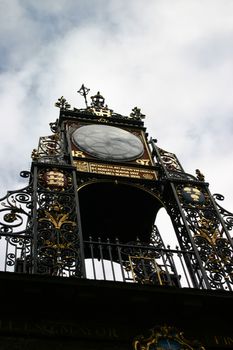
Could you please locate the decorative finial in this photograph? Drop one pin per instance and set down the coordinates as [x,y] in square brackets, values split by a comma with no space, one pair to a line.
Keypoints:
[200,176]
[97,100]
[98,108]
[62,103]
[136,114]
[35,154]
[83,91]
[54,126]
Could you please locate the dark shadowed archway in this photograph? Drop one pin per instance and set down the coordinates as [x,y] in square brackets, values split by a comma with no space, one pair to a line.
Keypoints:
[110,210]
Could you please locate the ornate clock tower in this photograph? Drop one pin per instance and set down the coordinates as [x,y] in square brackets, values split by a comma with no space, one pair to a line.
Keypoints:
[81,239]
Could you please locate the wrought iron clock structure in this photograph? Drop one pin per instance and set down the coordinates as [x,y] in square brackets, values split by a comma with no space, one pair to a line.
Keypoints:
[95,188]
[89,211]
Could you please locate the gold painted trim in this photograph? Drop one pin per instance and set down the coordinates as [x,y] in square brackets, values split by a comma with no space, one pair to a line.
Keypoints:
[121,183]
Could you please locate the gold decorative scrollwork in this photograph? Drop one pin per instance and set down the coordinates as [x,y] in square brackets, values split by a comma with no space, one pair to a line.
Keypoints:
[56,216]
[207,229]
[50,147]
[169,160]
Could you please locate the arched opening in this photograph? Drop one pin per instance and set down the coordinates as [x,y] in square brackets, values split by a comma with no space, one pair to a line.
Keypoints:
[121,241]
[117,210]
[116,218]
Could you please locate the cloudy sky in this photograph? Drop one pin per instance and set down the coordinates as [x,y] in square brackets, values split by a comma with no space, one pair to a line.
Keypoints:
[171,58]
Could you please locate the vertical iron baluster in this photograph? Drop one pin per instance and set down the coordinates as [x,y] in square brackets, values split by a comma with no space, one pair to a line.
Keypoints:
[92,257]
[101,257]
[145,275]
[7,244]
[120,259]
[110,256]
[173,266]
[200,279]
[198,272]
[179,254]
[28,254]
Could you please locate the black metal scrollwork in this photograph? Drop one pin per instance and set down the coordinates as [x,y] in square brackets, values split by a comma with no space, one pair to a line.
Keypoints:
[16,224]
[57,234]
[209,235]
[227,216]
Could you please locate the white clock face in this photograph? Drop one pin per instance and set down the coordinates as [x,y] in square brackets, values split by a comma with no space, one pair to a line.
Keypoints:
[108,142]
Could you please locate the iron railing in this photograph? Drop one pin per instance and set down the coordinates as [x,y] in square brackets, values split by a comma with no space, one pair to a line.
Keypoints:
[40,234]
[110,261]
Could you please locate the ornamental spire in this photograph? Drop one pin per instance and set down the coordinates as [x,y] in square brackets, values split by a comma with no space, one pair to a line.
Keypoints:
[83,91]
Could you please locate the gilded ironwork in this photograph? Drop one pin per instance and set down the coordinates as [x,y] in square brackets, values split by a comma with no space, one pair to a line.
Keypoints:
[40,223]
[201,225]
[50,149]
[165,337]
[56,216]
[98,108]
[145,270]
[208,230]
[58,233]
[170,161]
[193,195]
[55,179]
[58,241]
[41,228]
[150,263]
[78,154]
[209,235]
[143,161]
